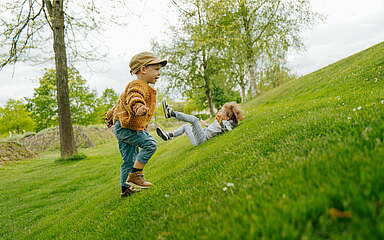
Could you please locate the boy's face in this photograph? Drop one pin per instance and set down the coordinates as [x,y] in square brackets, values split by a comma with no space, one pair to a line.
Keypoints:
[151,73]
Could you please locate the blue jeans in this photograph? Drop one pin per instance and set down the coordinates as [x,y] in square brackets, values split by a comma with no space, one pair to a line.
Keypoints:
[133,145]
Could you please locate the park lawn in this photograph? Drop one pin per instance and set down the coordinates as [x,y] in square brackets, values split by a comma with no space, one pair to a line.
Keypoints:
[306,163]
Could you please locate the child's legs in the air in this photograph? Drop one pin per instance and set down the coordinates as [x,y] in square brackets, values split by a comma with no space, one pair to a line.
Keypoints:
[197,130]
[187,129]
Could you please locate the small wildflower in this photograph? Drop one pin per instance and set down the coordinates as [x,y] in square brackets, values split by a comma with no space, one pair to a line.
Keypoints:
[230,184]
[359,107]
[167,195]
[382,101]
[349,118]
[225,189]
[354,109]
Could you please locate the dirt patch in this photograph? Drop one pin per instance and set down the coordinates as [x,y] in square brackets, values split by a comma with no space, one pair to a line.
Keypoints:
[14,151]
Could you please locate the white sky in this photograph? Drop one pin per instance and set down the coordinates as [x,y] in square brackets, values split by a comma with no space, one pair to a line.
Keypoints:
[350,27]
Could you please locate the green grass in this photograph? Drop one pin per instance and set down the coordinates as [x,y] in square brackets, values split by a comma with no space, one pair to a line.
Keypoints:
[301,151]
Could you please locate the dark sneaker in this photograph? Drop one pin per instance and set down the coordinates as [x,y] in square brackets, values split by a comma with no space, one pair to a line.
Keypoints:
[167,110]
[161,133]
[127,191]
[136,180]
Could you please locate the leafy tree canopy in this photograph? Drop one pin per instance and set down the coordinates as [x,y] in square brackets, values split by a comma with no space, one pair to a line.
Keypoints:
[43,104]
[15,118]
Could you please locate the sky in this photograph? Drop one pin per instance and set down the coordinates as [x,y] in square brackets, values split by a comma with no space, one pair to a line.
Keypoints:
[350,26]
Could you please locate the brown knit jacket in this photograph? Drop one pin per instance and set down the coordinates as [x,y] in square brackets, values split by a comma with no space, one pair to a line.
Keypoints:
[136,94]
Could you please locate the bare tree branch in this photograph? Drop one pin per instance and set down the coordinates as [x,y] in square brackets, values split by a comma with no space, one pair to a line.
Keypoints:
[49,7]
[181,9]
[15,50]
[46,17]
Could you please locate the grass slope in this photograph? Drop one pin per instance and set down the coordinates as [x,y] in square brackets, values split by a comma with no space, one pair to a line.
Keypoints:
[307,147]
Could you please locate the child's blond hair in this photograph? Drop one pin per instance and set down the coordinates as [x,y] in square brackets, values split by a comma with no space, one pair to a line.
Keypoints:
[234,111]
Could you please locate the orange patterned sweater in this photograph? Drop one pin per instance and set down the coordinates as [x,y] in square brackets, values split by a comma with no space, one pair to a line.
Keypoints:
[136,93]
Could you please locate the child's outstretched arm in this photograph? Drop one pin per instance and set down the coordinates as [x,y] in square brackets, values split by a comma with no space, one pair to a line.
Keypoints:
[134,101]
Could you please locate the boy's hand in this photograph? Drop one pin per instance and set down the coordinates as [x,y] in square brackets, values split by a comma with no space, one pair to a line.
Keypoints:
[141,111]
[204,123]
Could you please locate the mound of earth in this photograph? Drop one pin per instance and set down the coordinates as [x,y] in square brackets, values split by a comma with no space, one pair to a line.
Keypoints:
[85,137]
[14,151]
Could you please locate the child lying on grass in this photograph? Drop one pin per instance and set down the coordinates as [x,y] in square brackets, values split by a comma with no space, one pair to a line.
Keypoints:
[228,117]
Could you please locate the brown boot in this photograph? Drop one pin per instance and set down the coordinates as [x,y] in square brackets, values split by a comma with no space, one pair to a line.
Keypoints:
[137,180]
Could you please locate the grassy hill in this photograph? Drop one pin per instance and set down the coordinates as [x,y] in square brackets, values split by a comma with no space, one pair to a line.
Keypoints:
[307,163]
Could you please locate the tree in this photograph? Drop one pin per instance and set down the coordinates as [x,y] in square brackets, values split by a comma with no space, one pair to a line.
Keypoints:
[221,45]
[195,60]
[43,105]
[15,118]
[24,27]
[263,30]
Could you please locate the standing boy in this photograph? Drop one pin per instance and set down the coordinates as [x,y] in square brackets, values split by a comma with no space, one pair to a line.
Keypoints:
[131,116]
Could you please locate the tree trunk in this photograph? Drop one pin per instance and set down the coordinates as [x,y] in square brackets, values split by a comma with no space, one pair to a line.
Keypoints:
[243,85]
[252,79]
[243,93]
[208,94]
[210,102]
[67,143]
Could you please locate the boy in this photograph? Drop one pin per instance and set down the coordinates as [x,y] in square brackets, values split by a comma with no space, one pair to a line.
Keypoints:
[227,118]
[131,116]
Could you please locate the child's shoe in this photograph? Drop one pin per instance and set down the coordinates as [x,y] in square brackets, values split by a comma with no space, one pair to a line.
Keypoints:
[168,112]
[126,191]
[161,133]
[136,180]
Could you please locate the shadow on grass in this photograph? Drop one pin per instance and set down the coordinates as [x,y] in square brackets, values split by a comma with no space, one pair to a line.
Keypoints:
[71,159]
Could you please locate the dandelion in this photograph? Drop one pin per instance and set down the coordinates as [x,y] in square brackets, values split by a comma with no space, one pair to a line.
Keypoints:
[382,101]
[225,189]
[359,107]
[230,184]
